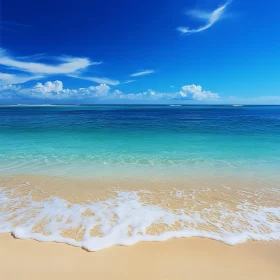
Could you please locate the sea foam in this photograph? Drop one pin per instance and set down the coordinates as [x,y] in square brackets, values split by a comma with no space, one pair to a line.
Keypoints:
[129,217]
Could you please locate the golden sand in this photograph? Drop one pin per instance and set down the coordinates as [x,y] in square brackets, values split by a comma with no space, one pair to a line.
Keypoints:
[193,258]
[82,190]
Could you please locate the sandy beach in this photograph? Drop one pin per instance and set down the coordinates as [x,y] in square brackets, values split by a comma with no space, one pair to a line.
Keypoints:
[176,258]
[193,258]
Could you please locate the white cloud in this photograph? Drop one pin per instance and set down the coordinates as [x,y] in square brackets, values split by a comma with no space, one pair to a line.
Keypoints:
[101,90]
[7,79]
[197,93]
[55,90]
[116,92]
[31,70]
[142,73]
[9,88]
[210,18]
[48,87]
[69,65]
[189,92]
[9,91]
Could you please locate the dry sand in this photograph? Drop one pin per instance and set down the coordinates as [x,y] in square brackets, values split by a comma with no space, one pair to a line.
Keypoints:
[192,258]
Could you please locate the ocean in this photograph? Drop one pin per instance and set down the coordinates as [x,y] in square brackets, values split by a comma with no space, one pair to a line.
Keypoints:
[170,171]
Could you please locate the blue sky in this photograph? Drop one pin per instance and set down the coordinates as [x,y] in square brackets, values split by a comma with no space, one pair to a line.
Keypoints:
[161,51]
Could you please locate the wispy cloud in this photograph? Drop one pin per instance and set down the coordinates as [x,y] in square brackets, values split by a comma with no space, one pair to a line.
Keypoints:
[2,22]
[10,79]
[142,73]
[97,80]
[11,25]
[30,69]
[210,18]
[68,65]
[129,81]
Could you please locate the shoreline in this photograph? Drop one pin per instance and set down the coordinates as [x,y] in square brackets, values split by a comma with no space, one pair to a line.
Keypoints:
[194,258]
[176,258]
[92,215]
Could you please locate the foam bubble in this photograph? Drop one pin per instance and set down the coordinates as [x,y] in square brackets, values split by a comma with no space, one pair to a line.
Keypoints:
[133,216]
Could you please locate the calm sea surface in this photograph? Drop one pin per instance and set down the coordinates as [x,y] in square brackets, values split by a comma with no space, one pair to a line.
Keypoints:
[87,141]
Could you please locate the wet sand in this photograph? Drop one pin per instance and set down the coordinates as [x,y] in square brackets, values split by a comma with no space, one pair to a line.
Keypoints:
[192,258]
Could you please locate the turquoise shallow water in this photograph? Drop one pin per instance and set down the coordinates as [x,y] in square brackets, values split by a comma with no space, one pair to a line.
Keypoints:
[94,141]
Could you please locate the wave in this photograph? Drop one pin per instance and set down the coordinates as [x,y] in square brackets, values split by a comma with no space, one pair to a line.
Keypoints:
[129,217]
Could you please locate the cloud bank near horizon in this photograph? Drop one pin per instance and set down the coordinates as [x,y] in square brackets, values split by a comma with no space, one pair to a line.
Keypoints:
[54,90]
